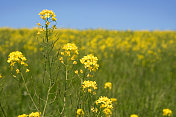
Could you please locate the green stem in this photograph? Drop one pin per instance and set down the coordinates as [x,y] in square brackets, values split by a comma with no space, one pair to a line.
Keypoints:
[65,92]
[46,102]
[29,92]
[3,110]
[46,31]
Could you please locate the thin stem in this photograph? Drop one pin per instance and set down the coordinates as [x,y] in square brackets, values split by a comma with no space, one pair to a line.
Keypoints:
[3,110]
[46,102]
[46,31]
[29,92]
[65,92]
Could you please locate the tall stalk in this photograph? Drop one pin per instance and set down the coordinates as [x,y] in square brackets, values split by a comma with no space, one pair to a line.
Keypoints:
[65,91]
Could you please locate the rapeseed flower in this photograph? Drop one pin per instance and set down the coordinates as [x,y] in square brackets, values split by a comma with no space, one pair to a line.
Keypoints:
[89,85]
[17,71]
[113,99]
[70,50]
[133,115]
[16,57]
[90,62]
[76,71]
[46,14]
[70,47]
[36,114]
[108,85]
[94,109]
[107,112]
[27,70]
[105,104]
[74,62]
[167,112]
[81,71]
[80,112]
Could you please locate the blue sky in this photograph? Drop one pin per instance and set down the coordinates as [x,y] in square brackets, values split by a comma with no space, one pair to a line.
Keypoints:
[84,14]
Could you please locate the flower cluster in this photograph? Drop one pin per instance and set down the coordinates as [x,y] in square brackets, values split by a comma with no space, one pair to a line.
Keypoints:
[167,112]
[17,58]
[70,47]
[108,85]
[46,14]
[90,62]
[80,112]
[107,112]
[71,51]
[105,104]
[36,114]
[90,85]
[133,115]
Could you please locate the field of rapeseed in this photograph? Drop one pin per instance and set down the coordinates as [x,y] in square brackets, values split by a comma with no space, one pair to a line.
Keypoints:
[49,72]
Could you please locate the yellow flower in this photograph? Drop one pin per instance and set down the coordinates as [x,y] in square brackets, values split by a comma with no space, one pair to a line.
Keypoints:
[27,70]
[38,24]
[47,23]
[79,112]
[62,53]
[17,71]
[61,58]
[113,99]
[47,14]
[74,62]
[16,57]
[0,76]
[107,112]
[89,90]
[89,85]
[90,62]
[94,109]
[133,115]
[81,71]
[89,75]
[70,51]
[104,102]
[36,114]
[108,85]
[54,19]
[42,17]
[76,72]
[167,112]
[23,115]
[71,47]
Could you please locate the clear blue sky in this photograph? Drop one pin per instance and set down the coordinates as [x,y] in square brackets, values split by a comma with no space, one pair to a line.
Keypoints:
[84,14]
